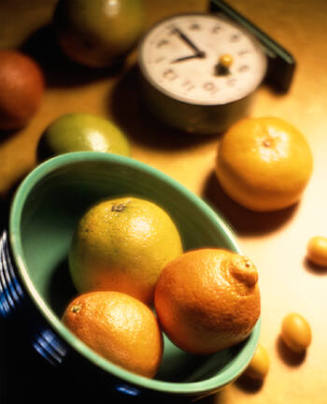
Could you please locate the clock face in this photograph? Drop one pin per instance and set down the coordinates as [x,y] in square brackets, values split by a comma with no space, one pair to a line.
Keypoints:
[202,59]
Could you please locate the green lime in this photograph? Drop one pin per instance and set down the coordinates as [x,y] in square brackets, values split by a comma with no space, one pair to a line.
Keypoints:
[98,33]
[82,132]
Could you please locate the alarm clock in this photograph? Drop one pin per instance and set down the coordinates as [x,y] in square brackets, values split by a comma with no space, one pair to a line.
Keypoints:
[199,71]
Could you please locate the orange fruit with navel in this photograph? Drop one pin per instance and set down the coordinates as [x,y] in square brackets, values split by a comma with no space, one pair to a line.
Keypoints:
[118,327]
[264,163]
[208,299]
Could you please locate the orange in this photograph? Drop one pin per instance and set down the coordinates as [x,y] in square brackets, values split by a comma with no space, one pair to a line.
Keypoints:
[264,163]
[118,327]
[21,89]
[208,299]
[122,244]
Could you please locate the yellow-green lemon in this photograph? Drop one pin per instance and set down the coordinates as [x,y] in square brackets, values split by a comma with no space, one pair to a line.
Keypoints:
[123,244]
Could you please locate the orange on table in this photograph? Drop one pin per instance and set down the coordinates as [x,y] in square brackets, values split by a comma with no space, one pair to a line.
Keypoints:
[21,89]
[122,244]
[118,327]
[264,163]
[208,299]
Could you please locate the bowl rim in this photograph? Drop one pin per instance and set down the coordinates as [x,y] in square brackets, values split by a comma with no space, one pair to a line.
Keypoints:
[219,380]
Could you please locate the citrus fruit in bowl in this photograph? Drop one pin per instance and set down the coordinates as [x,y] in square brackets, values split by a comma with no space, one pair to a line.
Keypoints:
[208,299]
[99,319]
[44,214]
[122,244]
[264,163]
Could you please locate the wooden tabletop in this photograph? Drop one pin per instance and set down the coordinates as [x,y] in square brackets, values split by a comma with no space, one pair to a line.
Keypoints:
[275,241]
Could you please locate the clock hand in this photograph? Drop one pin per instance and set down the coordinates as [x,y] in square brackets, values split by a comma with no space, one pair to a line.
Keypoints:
[181,59]
[187,40]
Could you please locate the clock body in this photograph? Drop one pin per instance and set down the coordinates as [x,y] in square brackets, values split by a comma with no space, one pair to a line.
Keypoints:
[200,71]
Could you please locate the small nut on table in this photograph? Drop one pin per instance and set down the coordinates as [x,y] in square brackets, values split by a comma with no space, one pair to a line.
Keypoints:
[317,250]
[259,365]
[296,332]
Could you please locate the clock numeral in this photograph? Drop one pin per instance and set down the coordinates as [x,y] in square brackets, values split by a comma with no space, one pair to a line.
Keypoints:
[195,26]
[172,29]
[235,37]
[188,85]
[243,52]
[210,87]
[170,74]
[244,68]
[162,42]
[216,29]
[159,59]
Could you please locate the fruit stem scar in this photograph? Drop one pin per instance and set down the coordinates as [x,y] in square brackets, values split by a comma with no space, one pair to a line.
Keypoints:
[76,308]
[267,142]
[118,207]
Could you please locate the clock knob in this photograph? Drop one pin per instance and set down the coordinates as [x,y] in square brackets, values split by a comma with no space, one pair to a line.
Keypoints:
[225,61]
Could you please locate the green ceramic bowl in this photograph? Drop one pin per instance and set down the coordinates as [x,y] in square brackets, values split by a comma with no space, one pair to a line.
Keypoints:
[44,213]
